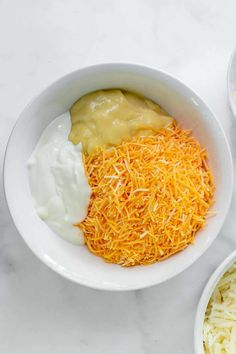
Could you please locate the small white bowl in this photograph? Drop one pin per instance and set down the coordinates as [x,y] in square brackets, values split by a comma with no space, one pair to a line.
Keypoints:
[202,306]
[77,263]
[231,82]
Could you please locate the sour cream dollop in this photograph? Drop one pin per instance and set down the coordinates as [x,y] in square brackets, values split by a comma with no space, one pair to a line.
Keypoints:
[58,182]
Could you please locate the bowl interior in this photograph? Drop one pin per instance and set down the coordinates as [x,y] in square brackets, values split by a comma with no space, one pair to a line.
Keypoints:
[76,262]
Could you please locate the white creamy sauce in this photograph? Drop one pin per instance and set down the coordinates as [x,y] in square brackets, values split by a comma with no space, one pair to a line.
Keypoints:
[58,182]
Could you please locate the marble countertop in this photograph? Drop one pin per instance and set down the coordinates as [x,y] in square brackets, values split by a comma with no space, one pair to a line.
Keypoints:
[40,312]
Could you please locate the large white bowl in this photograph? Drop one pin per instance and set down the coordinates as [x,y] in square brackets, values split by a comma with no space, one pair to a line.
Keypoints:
[74,262]
[202,306]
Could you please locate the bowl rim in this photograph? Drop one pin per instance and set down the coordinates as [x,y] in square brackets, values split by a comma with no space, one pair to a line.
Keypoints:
[205,297]
[232,104]
[126,66]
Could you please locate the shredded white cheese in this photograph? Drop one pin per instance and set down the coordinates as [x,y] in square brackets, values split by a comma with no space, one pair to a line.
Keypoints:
[219,330]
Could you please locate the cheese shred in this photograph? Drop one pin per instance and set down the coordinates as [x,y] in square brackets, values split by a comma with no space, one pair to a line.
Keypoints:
[150,195]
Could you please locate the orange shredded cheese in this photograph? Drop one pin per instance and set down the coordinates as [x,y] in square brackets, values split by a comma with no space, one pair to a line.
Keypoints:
[150,195]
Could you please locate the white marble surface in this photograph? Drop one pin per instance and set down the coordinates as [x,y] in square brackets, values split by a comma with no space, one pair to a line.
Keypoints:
[41,40]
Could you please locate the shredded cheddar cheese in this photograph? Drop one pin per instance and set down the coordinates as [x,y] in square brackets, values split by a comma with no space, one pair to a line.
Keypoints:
[150,195]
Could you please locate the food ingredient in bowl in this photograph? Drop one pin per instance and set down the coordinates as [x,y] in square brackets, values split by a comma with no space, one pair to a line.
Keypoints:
[150,195]
[219,330]
[106,117]
[58,182]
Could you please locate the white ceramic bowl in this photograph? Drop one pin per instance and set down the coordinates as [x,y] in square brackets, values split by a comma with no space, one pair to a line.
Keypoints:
[76,263]
[207,292]
[231,82]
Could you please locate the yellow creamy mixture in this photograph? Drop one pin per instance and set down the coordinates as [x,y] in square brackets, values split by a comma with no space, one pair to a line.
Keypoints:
[106,117]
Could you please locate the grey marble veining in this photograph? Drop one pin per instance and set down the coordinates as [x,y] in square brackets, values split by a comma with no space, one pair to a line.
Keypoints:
[40,312]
